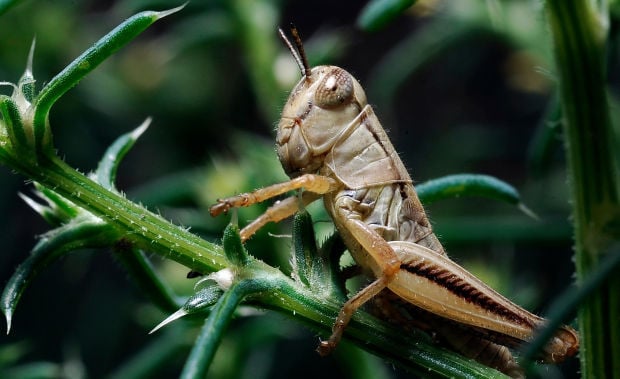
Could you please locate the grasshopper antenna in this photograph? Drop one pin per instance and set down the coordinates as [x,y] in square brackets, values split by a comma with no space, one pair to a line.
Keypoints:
[299,53]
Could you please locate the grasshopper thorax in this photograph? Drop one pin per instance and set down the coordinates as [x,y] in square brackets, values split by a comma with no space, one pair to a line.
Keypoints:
[319,110]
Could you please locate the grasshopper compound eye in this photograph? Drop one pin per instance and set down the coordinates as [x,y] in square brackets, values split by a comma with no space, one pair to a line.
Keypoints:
[336,88]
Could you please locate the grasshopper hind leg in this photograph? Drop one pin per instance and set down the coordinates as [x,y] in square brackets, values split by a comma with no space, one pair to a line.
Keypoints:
[391,308]
[359,237]
[345,314]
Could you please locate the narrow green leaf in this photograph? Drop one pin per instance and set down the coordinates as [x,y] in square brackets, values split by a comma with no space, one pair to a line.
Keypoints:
[202,299]
[64,208]
[84,64]
[6,4]
[452,186]
[15,128]
[47,212]
[58,210]
[233,247]
[304,246]
[108,166]
[49,249]
[378,13]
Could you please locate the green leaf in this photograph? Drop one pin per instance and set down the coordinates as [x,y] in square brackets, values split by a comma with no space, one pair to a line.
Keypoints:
[378,13]
[12,120]
[84,64]
[68,238]
[458,185]
[233,247]
[106,171]
[6,4]
[304,246]
[452,186]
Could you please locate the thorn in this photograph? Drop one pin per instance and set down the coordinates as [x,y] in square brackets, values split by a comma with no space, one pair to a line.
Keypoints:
[234,218]
[168,12]
[30,58]
[523,208]
[8,315]
[40,209]
[175,316]
[137,132]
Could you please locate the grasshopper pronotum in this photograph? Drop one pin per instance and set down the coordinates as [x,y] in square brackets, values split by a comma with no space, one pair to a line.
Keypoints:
[332,145]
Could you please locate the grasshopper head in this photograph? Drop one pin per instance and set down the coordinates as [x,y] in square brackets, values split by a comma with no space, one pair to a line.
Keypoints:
[320,108]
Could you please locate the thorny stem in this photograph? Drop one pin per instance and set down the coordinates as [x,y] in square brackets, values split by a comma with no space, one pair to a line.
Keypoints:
[152,233]
[579,33]
[147,230]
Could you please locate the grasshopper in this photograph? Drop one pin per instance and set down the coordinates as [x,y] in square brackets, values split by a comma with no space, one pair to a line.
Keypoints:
[332,145]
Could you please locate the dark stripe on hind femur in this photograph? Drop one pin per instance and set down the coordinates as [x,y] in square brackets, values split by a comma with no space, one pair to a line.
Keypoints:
[462,289]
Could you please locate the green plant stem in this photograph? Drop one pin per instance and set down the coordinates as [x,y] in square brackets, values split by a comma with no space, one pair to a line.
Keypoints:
[578,32]
[213,330]
[409,350]
[145,229]
[152,233]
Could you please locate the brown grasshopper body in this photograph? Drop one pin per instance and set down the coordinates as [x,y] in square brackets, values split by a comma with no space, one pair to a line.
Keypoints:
[332,145]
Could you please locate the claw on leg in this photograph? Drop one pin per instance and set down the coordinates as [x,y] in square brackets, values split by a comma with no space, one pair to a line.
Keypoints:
[345,314]
[312,183]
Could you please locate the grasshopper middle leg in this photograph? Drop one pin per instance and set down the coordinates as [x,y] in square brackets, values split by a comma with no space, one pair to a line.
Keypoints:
[278,212]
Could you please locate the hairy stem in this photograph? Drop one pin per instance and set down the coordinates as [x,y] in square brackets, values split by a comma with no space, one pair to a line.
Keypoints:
[579,32]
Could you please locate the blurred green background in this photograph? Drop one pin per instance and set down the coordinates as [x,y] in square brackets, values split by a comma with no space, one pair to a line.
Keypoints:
[461,86]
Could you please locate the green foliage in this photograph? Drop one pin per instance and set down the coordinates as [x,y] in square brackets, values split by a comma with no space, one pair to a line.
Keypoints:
[591,146]
[458,88]
[379,13]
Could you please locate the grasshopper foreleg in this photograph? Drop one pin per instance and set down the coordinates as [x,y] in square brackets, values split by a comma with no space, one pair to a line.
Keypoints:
[313,183]
[315,186]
